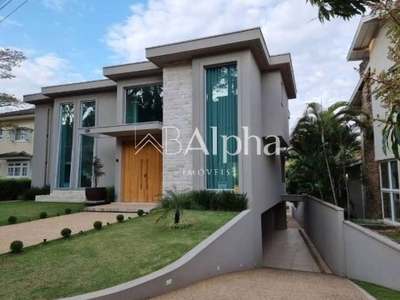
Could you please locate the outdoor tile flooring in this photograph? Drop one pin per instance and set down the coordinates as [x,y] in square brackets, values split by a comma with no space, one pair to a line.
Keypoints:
[286,249]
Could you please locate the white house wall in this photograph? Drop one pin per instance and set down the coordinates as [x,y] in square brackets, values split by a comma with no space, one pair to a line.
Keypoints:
[379,62]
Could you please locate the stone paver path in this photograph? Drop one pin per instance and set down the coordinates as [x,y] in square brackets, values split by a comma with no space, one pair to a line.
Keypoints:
[271,284]
[32,233]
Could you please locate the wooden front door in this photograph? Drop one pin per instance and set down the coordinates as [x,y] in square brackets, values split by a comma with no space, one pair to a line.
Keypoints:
[141,173]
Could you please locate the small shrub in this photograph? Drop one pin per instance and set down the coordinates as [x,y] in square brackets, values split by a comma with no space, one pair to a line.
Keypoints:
[120,218]
[16,246]
[229,201]
[12,220]
[43,215]
[203,198]
[31,193]
[68,211]
[66,232]
[98,225]
[111,195]
[140,212]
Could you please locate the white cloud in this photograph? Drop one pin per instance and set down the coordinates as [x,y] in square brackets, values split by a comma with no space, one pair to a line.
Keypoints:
[45,70]
[318,50]
[57,5]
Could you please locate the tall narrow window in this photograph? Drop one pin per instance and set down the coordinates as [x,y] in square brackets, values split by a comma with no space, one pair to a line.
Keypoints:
[222,114]
[88,119]
[390,190]
[65,145]
[144,104]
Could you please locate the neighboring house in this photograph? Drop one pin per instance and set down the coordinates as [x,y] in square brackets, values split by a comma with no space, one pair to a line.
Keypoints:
[380,171]
[229,83]
[16,143]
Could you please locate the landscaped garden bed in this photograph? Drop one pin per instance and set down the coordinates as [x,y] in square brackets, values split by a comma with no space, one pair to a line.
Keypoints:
[98,259]
[392,232]
[30,210]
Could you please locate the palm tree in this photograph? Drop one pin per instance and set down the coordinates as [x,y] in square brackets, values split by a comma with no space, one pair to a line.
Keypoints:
[175,202]
[326,135]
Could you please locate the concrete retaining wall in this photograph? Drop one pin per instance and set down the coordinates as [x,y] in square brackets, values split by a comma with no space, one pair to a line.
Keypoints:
[323,223]
[349,249]
[371,257]
[229,249]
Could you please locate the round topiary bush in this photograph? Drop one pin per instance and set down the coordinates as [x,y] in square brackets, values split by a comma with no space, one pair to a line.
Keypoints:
[43,215]
[16,246]
[66,232]
[97,225]
[68,211]
[120,218]
[12,220]
[140,212]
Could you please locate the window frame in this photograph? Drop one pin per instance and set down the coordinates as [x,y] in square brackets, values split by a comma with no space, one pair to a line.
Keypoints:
[95,100]
[138,86]
[21,165]
[391,191]
[1,135]
[239,162]
[57,172]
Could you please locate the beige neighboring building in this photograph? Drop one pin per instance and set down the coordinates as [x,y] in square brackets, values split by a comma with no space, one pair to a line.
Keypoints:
[16,145]
[381,171]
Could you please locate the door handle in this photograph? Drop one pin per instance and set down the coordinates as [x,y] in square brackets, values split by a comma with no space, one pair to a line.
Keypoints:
[145,175]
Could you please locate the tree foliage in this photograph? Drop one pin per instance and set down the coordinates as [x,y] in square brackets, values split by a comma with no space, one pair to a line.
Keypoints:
[344,9]
[386,84]
[10,59]
[322,144]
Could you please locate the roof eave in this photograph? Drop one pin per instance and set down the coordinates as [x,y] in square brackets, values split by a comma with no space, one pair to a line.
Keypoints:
[366,31]
[129,71]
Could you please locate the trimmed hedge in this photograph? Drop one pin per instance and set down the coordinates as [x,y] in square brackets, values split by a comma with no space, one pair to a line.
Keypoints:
[12,189]
[31,193]
[210,200]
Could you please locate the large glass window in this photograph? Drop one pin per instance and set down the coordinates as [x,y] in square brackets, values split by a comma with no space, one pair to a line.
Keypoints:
[390,190]
[65,145]
[222,114]
[88,119]
[144,104]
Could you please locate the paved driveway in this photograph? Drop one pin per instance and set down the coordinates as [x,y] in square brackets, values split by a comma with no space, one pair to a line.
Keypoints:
[32,233]
[270,284]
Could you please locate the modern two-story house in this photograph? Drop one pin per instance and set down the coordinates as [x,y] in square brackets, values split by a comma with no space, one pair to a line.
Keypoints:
[16,143]
[380,171]
[210,113]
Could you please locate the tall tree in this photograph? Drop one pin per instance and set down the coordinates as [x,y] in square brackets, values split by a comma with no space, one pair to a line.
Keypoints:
[323,142]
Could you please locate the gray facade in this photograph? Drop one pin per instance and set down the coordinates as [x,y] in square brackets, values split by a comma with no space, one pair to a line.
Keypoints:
[265,83]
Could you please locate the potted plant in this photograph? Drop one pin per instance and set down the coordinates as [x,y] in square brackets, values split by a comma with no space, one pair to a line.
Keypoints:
[96,193]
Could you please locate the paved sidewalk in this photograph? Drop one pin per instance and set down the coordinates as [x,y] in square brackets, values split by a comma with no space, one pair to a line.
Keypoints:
[32,233]
[271,284]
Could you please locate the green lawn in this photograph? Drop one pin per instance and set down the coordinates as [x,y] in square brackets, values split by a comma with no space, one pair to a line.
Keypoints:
[393,234]
[25,210]
[379,292]
[99,259]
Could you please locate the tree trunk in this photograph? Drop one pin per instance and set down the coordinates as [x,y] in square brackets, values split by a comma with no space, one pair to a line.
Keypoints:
[177,216]
[329,169]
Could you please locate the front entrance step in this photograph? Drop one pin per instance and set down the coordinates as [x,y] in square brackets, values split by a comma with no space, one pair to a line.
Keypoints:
[122,207]
[76,196]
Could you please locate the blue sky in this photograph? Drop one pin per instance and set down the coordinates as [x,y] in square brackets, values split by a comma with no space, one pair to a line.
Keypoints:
[71,40]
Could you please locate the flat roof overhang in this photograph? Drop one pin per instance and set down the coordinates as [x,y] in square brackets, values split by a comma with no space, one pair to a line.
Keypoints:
[79,88]
[38,98]
[121,131]
[129,71]
[242,40]
[366,31]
